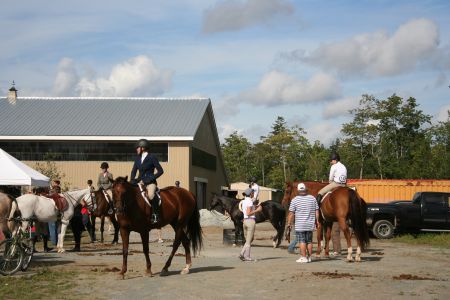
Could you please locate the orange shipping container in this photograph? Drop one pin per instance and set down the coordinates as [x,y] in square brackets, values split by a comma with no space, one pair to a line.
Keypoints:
[382,191]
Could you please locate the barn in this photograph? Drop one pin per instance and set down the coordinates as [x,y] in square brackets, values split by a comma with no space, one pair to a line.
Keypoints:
[79,133]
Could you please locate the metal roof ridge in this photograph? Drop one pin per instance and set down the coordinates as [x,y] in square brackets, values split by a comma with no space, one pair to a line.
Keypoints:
[111,98]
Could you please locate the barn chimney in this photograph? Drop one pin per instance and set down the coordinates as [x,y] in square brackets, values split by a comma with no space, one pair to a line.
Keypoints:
[12,94]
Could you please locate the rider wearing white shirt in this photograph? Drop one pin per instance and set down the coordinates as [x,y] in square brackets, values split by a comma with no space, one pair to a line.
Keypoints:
[337,178]
[255,187]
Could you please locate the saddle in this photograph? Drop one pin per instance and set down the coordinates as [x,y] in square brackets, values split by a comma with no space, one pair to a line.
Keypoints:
[61,203]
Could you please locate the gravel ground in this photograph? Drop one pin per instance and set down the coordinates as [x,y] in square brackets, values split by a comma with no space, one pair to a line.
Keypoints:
[388,270]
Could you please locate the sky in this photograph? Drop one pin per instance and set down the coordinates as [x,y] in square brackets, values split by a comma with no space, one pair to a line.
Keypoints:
[307,61]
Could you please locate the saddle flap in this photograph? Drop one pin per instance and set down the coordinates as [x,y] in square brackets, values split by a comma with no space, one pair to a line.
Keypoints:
[60,202]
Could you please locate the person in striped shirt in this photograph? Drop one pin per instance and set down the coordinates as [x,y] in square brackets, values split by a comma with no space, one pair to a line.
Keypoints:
[305,210]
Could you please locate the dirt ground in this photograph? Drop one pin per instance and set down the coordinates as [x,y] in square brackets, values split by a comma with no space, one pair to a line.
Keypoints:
[388,270]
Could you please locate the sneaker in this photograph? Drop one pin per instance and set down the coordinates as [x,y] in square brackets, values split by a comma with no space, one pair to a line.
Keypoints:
[302,260]
[250,259]
[334,253]
[309,259]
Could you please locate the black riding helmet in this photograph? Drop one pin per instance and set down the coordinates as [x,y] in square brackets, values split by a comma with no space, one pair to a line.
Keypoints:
[143,143]
[335,156]
[104,165]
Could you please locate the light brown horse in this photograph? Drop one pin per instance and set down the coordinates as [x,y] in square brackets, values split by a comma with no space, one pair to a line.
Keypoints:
[6,203]
[178,208]
[339,206]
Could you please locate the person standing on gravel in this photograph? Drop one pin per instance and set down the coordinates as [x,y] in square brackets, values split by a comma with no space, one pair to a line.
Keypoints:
[249,223]
[305,210]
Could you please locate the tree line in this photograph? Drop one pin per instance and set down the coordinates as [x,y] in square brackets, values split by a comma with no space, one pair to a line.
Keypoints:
[386,139]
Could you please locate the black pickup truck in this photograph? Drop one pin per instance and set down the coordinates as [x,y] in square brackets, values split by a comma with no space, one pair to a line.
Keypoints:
[428,211]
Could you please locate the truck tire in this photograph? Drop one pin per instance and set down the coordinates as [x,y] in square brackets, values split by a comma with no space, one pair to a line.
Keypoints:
[383,229]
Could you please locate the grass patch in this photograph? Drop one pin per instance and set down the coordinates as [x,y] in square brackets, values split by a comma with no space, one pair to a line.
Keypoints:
[441,240]
[45,284]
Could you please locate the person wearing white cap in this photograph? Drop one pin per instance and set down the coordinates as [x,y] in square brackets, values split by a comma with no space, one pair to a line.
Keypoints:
[249,223]
[305,210]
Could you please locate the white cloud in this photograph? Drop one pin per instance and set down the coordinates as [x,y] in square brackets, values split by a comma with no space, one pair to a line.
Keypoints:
[443,113]
[66,78]
[378,54]
[324,132]
[224,131]
[138,76]
[340,107]
[277,88]
[231,15]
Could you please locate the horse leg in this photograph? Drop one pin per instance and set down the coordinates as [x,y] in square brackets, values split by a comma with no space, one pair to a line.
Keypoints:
[116,229]
[102,228]
[358,252]
[145,238]
[61,235]
[125,234]
[327,239]
[344,227]
[319,240]
[187,251]
[93,226]
[178,236]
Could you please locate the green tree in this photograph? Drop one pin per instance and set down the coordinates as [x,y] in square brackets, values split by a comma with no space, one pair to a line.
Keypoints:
[49,168]
[440,151]
[238,158]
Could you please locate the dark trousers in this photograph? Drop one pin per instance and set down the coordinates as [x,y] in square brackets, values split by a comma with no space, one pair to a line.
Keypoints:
[77,228]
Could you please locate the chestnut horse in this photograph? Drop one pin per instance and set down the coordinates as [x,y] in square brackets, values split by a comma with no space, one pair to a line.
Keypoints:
[340,205]
[99,208]
[178,208]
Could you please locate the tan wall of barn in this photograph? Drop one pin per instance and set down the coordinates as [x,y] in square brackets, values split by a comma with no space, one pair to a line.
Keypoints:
[78,172]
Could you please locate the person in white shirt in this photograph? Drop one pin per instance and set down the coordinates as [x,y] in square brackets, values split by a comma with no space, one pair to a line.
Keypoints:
[255,187]
[338,176]
[249,223]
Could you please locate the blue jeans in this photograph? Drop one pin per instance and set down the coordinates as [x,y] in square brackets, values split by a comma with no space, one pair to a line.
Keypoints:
[53,232]
[293,244]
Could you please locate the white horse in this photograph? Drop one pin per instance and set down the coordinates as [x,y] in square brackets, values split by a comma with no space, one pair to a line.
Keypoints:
[45,211]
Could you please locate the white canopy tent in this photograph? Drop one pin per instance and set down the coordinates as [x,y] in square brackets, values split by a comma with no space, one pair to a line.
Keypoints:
[15,172]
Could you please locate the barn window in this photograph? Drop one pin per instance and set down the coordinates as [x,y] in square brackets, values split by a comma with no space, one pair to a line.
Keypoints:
[80,150]
[203,159]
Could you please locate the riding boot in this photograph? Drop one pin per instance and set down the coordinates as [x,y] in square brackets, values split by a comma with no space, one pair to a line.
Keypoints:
[45,241]
[155,208]
[319,198]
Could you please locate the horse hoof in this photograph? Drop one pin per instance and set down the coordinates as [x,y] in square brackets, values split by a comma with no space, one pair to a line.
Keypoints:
[358,259]
[350,260]
[121,276]
[317,255]
[164,272]
[184,271]
[149,274]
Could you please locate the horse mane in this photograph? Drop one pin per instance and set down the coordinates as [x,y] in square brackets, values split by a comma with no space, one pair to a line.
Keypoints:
[121,179]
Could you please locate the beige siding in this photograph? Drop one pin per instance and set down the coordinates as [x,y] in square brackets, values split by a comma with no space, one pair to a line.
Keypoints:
[78,172]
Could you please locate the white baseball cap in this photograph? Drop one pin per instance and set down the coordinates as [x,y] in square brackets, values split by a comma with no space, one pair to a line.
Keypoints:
[301,186]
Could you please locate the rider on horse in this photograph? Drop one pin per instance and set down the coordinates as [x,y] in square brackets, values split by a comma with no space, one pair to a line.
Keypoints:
[337,178]
[146,163]
[105,181]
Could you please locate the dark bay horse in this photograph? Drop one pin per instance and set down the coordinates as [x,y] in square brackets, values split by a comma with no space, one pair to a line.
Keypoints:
[271,210]
[339,206]
[99,208]
[178,208]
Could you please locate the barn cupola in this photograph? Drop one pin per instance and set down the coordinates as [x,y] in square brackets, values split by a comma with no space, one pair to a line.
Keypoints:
[12,94]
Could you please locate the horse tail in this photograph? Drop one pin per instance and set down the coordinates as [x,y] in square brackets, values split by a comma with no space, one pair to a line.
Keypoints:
[358,218]
[194,230]
[12,213]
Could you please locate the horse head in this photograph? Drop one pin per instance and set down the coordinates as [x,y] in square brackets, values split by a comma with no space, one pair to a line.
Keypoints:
[288,193]
[216,203]
[120,187]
